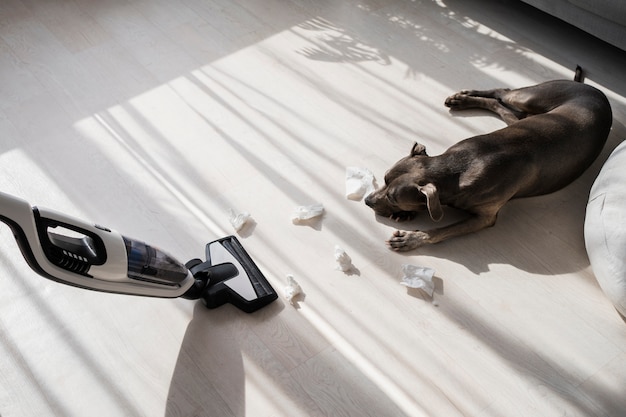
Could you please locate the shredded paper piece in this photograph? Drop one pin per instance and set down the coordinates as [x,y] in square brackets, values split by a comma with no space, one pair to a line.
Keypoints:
[418,277]
[238,220]
[304,213]
[359,182]
[342,258]
[292,289]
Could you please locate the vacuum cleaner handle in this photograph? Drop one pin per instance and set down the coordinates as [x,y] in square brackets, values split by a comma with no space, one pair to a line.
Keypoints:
[86,255]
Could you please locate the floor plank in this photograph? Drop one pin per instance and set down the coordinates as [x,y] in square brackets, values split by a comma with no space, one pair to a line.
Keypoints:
[155,118]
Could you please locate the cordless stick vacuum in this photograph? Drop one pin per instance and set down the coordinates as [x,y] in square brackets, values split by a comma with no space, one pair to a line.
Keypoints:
[94,257]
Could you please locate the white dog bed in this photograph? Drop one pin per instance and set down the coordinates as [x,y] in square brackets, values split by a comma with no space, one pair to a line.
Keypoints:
[605,228]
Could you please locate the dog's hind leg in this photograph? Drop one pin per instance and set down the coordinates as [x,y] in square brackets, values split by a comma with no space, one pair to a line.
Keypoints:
[488,100]
[535,99]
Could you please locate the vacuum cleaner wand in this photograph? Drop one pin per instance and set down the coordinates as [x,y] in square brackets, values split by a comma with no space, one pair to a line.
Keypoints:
[90,256]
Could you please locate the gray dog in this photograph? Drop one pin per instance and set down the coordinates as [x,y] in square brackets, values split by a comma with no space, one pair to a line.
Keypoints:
[555,130]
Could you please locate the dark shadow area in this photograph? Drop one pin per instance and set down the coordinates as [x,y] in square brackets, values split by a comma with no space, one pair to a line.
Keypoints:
[209,370]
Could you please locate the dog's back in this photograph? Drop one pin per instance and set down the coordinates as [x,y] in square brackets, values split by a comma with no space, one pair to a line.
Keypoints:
[563,130]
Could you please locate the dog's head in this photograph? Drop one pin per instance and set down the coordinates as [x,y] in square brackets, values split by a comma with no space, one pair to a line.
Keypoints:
[406,190]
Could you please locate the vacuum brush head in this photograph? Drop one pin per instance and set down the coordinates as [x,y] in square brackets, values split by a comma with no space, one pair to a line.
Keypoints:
[229,275]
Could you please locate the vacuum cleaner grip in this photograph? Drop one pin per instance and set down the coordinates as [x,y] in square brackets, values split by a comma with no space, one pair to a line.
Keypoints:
[74,245]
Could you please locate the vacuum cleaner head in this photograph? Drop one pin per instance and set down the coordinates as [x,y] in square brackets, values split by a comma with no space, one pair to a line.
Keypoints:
[94,257]
[232,277]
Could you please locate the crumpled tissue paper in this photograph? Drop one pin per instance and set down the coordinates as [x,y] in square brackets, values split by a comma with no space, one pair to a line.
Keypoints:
[342,258]
[359,182]
[238,220]
[304,213]
[418,277]
[292,289]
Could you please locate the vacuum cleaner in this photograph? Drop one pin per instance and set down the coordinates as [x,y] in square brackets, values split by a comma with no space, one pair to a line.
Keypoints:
[94,257]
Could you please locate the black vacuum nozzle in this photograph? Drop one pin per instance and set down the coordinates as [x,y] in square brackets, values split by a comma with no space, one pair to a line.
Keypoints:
[229,275]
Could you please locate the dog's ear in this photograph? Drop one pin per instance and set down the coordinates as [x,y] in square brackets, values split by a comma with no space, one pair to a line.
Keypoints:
[418,149]
[432,201]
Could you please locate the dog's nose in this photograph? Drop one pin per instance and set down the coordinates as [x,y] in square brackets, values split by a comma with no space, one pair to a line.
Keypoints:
[368,200]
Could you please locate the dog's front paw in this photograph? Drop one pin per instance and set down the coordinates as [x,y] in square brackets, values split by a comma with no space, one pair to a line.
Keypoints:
[403,240]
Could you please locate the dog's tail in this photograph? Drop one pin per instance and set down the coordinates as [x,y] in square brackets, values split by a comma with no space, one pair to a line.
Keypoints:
[579,75]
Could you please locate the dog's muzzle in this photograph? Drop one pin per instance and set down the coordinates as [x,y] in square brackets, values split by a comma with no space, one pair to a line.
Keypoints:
[378,203]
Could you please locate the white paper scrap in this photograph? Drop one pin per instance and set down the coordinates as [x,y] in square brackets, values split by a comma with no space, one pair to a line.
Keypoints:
[304,213]
[238,220]
[359,182]
[292,289]
[342,258]
[418,277]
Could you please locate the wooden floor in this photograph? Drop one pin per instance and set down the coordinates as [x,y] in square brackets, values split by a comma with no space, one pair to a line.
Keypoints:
[155,117]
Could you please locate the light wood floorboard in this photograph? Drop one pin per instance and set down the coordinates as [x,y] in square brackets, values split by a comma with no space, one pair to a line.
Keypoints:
[155,117]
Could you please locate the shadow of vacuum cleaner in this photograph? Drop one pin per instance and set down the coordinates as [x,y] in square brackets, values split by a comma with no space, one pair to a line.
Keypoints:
[209,376]
[90,256]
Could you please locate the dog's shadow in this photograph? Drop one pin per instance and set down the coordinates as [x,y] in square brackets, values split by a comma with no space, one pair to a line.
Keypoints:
[554,244]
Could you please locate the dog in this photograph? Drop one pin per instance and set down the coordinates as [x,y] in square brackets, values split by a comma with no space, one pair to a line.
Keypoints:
[555,130]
